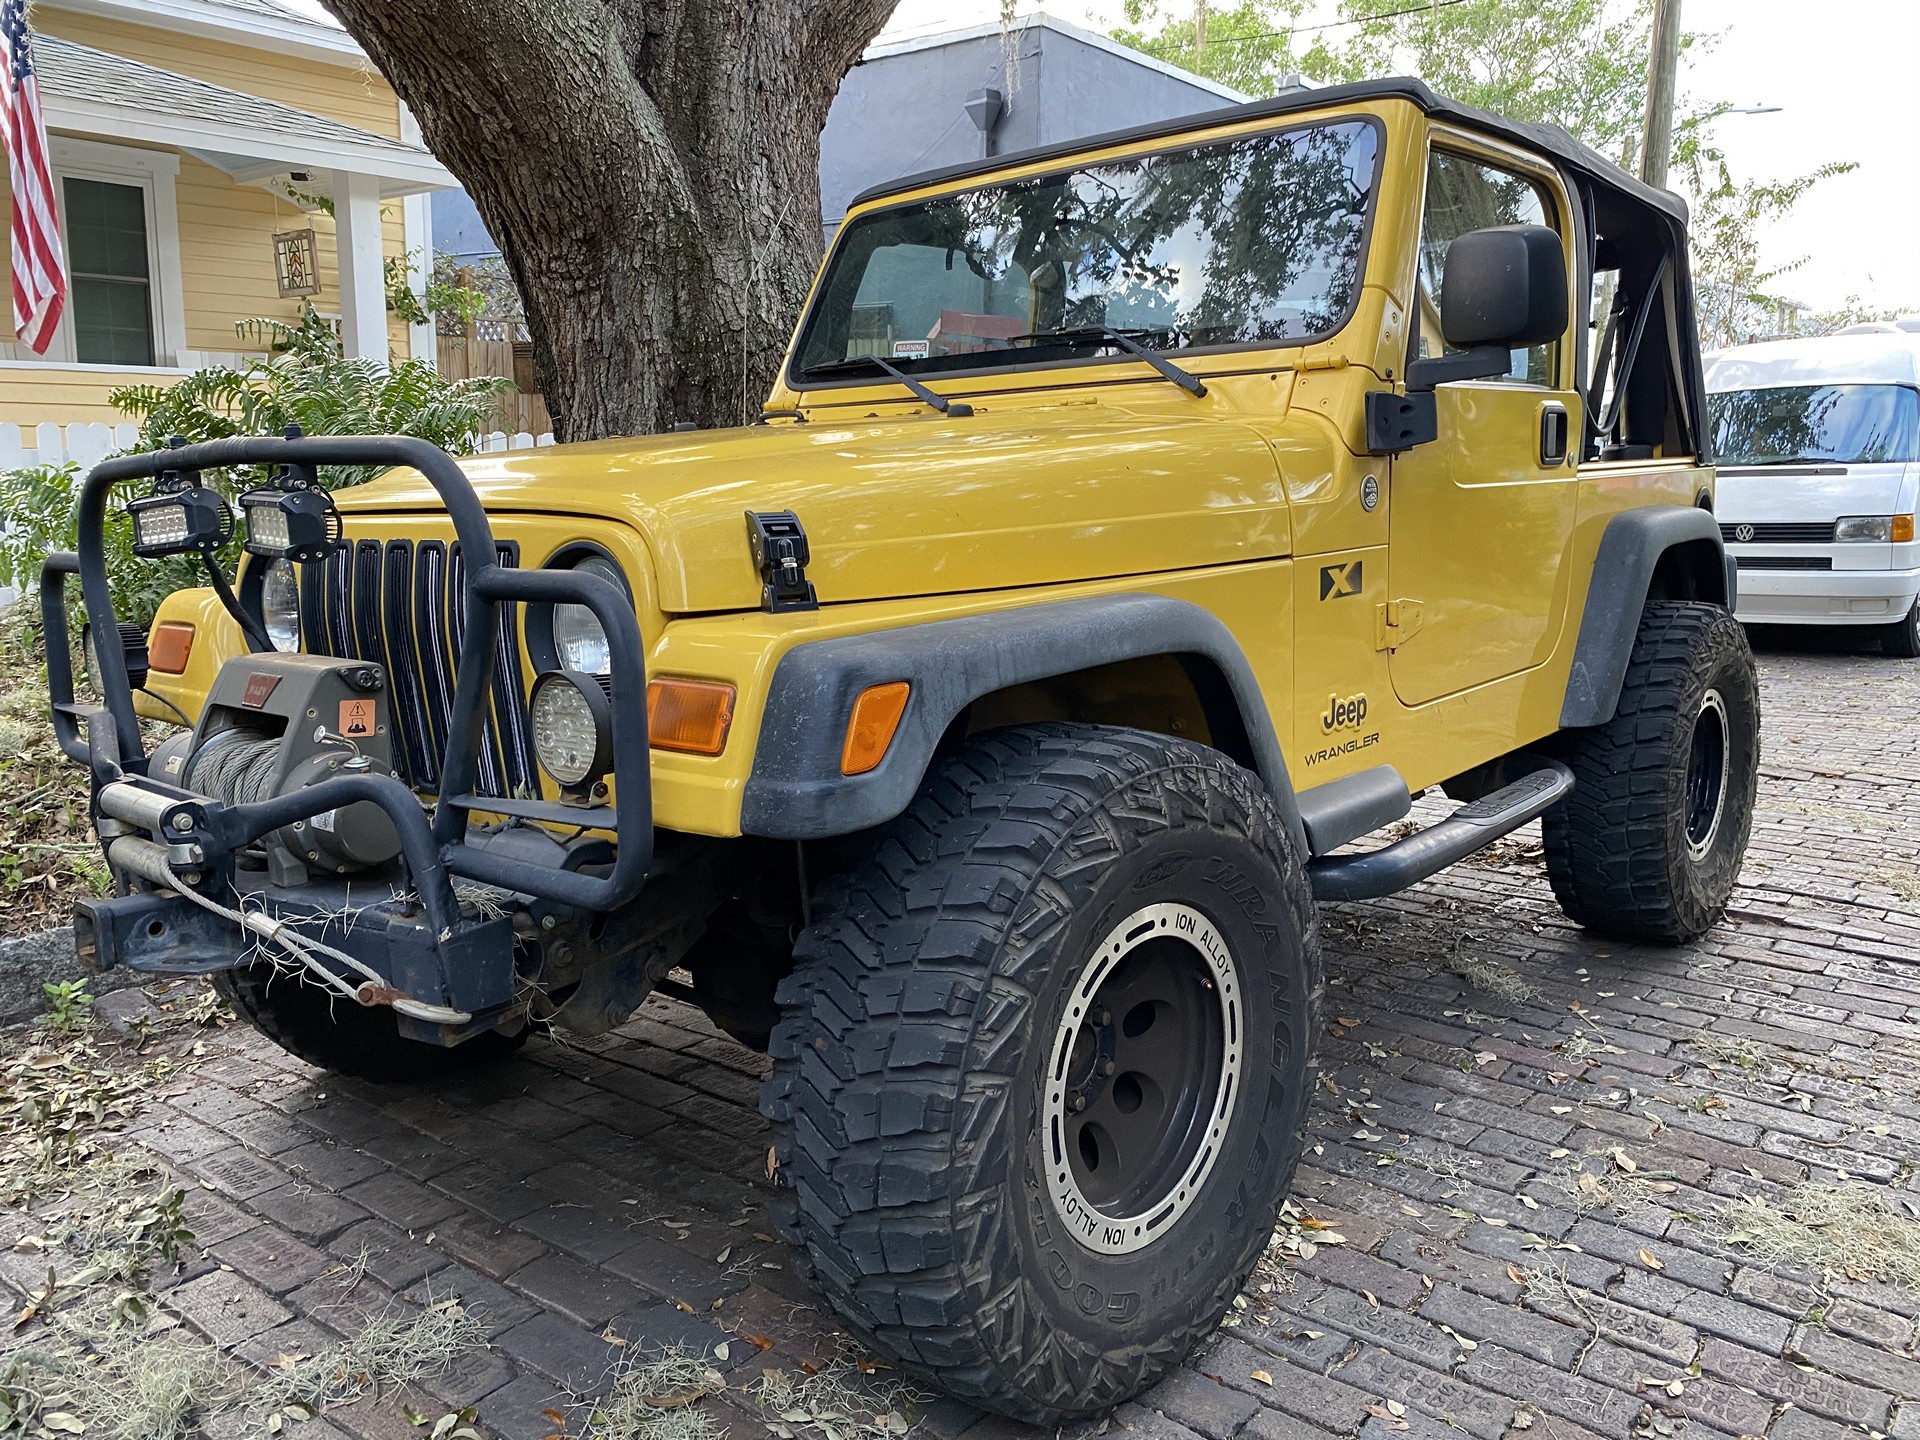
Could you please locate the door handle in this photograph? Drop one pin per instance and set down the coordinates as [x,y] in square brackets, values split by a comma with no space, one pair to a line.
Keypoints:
[1555,432]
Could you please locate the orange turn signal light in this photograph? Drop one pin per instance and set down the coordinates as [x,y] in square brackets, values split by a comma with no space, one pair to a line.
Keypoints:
[1902,529]
[169,646]
[691,716]
[876,715]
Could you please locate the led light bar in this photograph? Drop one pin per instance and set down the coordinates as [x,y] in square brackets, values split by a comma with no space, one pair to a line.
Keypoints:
[178,522]
[298,525]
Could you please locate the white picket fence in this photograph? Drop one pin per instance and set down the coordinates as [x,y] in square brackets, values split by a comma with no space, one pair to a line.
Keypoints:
[84,445]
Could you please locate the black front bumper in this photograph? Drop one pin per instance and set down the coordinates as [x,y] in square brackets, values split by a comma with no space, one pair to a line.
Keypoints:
[407,925]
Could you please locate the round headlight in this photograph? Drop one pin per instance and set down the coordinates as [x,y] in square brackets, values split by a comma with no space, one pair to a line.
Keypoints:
[280,605]
[572,722]
[577,636]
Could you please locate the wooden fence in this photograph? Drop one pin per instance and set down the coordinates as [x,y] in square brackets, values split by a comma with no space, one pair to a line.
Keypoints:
[523,410]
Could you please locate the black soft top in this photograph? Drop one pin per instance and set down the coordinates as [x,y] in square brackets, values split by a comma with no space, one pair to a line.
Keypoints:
[1547,139]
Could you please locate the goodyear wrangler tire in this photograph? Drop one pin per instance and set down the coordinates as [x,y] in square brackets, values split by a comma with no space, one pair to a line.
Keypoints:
[1648,844]
[324,1028]
[1043,1066]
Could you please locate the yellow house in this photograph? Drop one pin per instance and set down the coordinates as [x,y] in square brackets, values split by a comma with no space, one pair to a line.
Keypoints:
[185,135]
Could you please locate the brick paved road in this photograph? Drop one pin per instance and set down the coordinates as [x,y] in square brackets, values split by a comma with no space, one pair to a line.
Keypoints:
[1482,1056]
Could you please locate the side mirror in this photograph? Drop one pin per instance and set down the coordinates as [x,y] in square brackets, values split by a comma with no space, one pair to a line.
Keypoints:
[1505,287]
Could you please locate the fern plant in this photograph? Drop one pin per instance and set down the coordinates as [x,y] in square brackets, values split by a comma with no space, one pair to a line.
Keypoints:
[306,381]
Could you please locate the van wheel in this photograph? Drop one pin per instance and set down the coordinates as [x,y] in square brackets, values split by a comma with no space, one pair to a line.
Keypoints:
[1901,640]
[1043,1066]
[322,1027]
[1648,844]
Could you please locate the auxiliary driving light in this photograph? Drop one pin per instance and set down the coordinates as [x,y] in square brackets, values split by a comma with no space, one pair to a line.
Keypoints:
[572,721]
[298,525]
[178,522]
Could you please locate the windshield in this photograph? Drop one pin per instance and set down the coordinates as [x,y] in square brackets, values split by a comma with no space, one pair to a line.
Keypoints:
[1845,424]
[1242,242]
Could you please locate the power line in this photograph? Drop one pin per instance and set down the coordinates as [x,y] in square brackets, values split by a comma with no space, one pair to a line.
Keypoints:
[1253,35]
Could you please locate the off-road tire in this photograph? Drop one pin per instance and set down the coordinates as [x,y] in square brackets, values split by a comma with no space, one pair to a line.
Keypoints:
[1619,851]
[1901,640]
[324,1028]
[921,1034]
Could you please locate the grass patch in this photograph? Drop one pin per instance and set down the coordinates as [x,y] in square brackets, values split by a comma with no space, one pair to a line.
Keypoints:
[389,1350]
[836,1402]
[1858,1230]
[1904,882]
[654,1399]
[135,1388]
[59,1104]
[47,851]
[1736,1050]
[1489,977]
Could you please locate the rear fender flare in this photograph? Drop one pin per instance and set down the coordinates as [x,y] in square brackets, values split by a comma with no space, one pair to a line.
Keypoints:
[1631,550]
[796,790]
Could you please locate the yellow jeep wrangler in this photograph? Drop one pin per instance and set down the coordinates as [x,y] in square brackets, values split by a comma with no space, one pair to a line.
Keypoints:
[1133,527]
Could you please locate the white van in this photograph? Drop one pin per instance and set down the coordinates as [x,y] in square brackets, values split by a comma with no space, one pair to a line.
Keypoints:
[1817,443]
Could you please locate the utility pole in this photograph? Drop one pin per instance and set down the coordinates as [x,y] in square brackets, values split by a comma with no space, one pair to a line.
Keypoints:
[1199,31]
[1656,145]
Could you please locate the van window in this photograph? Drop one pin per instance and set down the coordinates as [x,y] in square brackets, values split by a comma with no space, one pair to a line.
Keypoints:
[1843,424]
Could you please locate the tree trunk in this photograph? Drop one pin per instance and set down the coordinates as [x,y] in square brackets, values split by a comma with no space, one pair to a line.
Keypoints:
[650,171]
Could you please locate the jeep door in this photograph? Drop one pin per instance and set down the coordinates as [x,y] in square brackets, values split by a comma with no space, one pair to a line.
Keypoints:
[1482,518]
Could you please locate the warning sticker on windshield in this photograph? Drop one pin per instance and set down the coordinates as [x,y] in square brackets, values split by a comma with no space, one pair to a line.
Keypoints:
[912,349]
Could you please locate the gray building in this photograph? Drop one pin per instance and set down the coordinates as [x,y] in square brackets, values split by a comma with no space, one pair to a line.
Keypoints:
[917,102]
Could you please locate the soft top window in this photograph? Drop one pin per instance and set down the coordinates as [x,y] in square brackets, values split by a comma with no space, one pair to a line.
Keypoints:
[1252,241]
[1841,424]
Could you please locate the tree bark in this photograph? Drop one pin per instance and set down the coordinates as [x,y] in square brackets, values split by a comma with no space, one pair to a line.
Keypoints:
[651,172]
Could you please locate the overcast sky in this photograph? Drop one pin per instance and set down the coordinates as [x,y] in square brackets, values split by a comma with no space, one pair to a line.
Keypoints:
[1842,72]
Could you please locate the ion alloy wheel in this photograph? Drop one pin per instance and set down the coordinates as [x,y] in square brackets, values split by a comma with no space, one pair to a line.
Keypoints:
[1042,1068]
[1709,763]
[1143,1079]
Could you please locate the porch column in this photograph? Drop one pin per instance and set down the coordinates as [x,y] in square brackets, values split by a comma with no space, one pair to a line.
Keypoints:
[423,341]
[363,287]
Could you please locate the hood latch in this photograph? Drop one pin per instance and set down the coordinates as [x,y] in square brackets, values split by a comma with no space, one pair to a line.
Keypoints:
[780,553]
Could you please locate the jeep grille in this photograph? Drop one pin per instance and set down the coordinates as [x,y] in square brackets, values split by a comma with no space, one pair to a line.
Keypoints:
[396,604]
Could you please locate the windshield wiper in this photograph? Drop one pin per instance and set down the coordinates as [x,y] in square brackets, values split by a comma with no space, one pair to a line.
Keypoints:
[957,408]
[1185,379]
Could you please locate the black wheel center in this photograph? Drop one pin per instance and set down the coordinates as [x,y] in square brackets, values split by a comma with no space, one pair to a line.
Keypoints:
[1707,765]
[1143,1078]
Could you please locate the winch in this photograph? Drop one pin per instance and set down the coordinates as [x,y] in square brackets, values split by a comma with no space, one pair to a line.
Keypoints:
[277,723]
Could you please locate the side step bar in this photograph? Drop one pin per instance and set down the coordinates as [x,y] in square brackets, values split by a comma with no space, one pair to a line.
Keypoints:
[1472,827]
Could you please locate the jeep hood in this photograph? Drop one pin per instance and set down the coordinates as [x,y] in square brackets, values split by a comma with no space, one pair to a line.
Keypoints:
[901,507]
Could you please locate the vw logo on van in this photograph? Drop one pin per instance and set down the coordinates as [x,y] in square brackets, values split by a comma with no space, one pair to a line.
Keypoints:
[1743,533]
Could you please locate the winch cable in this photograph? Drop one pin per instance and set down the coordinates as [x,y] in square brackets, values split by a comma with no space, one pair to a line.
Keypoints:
[307,951]
[238,768]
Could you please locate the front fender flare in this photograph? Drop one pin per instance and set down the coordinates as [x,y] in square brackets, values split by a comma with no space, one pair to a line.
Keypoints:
[1630,549]
[796,790]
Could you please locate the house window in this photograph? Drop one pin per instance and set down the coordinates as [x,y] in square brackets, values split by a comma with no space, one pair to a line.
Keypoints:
[109,267]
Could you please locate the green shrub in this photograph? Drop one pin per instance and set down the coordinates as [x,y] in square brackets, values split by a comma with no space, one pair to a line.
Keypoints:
[305,382]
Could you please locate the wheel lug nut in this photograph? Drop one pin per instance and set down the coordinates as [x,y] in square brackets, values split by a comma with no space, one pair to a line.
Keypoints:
[1107,1067]
[1105,1017]
[1077,1104]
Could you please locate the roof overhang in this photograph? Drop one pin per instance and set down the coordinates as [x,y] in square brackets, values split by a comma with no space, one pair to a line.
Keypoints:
[250,155]
[282,33]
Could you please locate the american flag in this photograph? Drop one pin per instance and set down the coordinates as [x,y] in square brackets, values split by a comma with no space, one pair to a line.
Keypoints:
[39,276]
